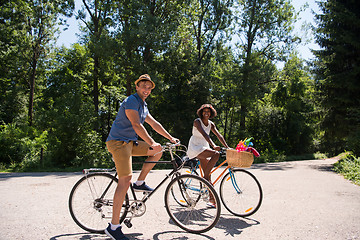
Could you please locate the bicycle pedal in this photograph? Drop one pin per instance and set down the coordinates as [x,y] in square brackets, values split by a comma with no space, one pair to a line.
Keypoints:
[128,223]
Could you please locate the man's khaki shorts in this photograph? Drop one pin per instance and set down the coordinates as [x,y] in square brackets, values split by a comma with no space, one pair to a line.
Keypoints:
[122,153]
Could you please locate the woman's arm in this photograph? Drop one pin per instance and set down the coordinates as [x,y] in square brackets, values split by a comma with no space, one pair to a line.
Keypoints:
[219,136]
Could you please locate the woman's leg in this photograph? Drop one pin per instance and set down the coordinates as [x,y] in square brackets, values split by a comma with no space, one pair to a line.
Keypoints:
[207,165]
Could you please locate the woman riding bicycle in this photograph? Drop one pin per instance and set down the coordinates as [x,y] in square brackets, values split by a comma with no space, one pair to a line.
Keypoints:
[200,141]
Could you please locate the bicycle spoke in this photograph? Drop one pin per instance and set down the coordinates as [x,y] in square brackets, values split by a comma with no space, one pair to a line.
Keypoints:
[240,192]
[91,201]
[194,215]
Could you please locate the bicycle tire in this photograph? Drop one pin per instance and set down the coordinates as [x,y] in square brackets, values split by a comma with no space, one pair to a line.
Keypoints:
[196,216]
[88,208]
[182,171]
[241,193]
[188,170]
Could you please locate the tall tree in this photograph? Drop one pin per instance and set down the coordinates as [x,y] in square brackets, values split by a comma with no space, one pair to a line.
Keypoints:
[35,24]
[338,34]
[265,31]
[66,109]
[13,87]
[293,97]
[96,15]
[145,28]
[41,23]
[207,20]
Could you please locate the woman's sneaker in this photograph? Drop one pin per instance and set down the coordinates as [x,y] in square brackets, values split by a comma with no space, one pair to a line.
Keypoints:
[116,234]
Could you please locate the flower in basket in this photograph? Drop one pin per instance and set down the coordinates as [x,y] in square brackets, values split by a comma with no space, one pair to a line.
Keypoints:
[241,146]
[245,145]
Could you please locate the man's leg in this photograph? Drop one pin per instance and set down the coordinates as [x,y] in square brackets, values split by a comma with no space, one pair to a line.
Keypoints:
[121,152]
[148,166]
[142,149]
[119,197]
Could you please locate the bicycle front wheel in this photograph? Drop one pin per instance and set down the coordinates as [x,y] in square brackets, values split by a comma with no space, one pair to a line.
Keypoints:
[241,192]
[195,214]
[184,170]
[91,200]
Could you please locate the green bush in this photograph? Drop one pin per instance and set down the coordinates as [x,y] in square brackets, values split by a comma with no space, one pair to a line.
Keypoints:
[349,167]
[21,146]
[92,151]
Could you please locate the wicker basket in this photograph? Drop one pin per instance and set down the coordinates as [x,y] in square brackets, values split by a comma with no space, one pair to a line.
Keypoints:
[239,159]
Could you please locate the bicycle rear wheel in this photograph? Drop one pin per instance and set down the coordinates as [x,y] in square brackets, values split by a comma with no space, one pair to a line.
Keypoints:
[91,200]
[241,192]
[194,214]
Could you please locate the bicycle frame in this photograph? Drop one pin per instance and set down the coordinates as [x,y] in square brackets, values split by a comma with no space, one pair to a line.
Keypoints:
[194,195]
[147,196]
[198,166]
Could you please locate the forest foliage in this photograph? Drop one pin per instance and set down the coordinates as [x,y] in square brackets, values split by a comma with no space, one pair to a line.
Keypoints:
[57,104]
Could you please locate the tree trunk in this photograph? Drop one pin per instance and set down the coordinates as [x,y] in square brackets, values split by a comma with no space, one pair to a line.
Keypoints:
[128,83]
[32,89]
[96,85]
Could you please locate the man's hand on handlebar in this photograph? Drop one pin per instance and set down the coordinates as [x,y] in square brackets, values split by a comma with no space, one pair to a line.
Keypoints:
[155,147]
[174,140]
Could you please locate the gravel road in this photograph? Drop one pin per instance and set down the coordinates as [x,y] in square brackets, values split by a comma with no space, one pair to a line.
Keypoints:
[302,200]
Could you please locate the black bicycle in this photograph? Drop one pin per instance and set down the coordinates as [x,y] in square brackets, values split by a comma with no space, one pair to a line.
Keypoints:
[91,198]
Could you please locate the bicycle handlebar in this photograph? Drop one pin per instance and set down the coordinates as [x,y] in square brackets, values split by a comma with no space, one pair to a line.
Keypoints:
[168,146]
[223,150]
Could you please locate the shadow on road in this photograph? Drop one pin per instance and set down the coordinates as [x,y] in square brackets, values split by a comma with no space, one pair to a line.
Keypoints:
[233,226]
[6,176]
[179,235]
[82,236]
[323,168]
[278,166]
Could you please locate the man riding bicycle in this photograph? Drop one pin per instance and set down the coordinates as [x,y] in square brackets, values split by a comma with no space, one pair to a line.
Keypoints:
[123,143]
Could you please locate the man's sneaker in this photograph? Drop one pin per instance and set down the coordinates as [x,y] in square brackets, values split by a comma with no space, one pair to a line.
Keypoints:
[116,234]
[142,188]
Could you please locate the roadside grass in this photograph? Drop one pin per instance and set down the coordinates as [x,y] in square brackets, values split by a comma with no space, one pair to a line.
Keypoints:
[267,158]
[349,167]
[312,156]
[7,168]
[4,168]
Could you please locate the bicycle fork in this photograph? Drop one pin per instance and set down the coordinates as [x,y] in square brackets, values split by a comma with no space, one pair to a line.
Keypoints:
[185,186]
[233,181]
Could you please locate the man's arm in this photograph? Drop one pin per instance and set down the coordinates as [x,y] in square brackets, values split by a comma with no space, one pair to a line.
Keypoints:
[140,130]
[159,128]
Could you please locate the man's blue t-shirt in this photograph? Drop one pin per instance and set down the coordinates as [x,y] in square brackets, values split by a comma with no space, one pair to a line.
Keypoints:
[121,129]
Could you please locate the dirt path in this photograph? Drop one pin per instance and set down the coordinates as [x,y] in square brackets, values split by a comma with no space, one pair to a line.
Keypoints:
[302,200]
